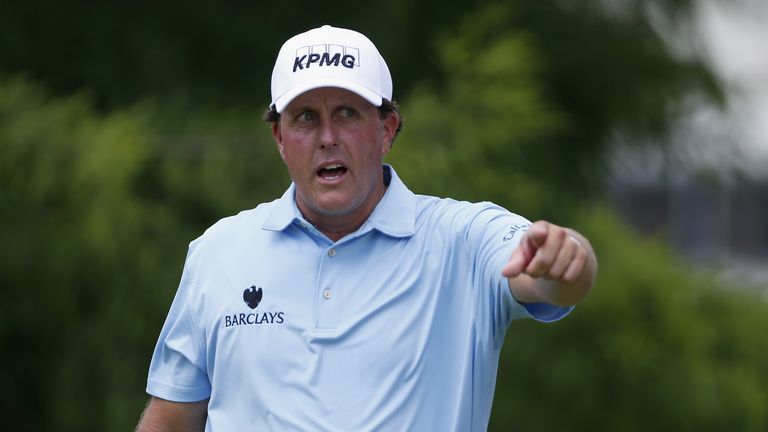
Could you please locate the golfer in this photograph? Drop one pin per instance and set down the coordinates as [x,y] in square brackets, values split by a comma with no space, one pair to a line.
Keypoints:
[351,303]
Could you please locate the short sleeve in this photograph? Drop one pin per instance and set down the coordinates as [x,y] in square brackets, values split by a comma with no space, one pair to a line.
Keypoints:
[494,234]
[178,368]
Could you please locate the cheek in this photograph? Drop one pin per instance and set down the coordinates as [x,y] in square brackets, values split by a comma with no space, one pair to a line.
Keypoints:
[294,158]
[373,149]
[293,148]
[293,162]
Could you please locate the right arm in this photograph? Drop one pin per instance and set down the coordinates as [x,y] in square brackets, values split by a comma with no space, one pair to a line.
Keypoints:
[166,416]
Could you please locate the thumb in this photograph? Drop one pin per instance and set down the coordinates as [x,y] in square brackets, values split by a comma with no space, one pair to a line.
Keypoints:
[516,264]
[534,238]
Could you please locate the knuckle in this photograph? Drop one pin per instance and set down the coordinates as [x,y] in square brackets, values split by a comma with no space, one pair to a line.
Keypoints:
[575,270]
[568,276]
[556,273]
[536,269]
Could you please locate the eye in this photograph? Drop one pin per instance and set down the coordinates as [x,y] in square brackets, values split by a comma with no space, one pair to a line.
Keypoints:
[306,116]
[346,112]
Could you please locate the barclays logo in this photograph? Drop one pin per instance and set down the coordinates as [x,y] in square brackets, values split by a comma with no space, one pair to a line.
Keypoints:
[242,319]
[252,297]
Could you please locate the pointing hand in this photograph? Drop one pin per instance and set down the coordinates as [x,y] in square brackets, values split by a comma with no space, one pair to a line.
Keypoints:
[548,251]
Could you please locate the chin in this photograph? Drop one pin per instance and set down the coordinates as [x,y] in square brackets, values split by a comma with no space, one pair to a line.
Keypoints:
[329,204]
[335,208]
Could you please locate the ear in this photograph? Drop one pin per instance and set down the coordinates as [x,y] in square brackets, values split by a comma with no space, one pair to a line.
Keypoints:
[277,135]
[390,130]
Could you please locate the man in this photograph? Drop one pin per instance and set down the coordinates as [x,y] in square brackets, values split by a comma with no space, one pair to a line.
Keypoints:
[352,304]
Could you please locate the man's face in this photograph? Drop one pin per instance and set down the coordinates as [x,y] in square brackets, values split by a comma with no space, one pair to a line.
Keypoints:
[333,142]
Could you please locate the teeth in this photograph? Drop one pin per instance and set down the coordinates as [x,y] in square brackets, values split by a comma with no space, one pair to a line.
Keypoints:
[335,166]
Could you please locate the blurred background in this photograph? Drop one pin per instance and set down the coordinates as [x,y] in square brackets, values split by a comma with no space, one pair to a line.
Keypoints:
[127,128]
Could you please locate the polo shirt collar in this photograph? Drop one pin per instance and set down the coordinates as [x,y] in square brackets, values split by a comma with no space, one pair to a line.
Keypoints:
[284,212]
[394,215]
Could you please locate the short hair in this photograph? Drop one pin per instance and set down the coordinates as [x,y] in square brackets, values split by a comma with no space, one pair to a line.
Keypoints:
[387,106]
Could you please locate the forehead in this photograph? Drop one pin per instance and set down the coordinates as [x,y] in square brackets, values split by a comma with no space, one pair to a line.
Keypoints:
[328,97]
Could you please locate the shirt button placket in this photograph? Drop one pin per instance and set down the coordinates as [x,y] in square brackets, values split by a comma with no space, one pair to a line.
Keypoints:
[327,293]
[328,313]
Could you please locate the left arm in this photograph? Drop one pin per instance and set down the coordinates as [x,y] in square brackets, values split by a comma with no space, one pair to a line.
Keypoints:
[552,264]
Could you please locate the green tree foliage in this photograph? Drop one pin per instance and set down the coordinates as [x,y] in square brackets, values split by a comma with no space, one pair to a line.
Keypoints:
[597,72]
[600,63]
[96,211]
[654,347]
[473,136]
[71,266]
[212,52]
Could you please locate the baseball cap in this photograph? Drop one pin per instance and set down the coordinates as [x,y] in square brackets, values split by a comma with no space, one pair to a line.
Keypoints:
[330,57]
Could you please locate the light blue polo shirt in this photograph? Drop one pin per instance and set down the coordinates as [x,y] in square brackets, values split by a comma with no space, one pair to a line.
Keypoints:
[395,327]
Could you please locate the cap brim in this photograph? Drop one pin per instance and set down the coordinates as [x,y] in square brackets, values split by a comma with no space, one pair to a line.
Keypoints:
[371,96]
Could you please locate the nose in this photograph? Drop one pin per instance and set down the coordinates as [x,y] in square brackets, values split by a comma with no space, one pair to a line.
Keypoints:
[327,133]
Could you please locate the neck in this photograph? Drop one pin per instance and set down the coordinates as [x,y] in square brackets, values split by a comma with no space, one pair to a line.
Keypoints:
[336,226]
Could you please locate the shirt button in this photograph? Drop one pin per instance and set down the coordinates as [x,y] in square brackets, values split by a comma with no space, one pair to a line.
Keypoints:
[327,294]
[332,252]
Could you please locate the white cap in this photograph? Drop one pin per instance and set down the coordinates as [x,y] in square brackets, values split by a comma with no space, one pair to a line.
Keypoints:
[330,57]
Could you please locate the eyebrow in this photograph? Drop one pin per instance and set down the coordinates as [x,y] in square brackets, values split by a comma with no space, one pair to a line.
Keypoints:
[339,105]
[302,109]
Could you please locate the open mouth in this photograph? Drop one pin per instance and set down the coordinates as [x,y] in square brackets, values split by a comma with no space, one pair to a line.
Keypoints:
[331,172]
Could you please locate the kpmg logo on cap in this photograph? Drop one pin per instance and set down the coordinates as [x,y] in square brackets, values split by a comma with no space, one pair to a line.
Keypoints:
[326,55]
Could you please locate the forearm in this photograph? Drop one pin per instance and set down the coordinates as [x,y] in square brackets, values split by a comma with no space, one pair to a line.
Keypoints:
[166,416]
